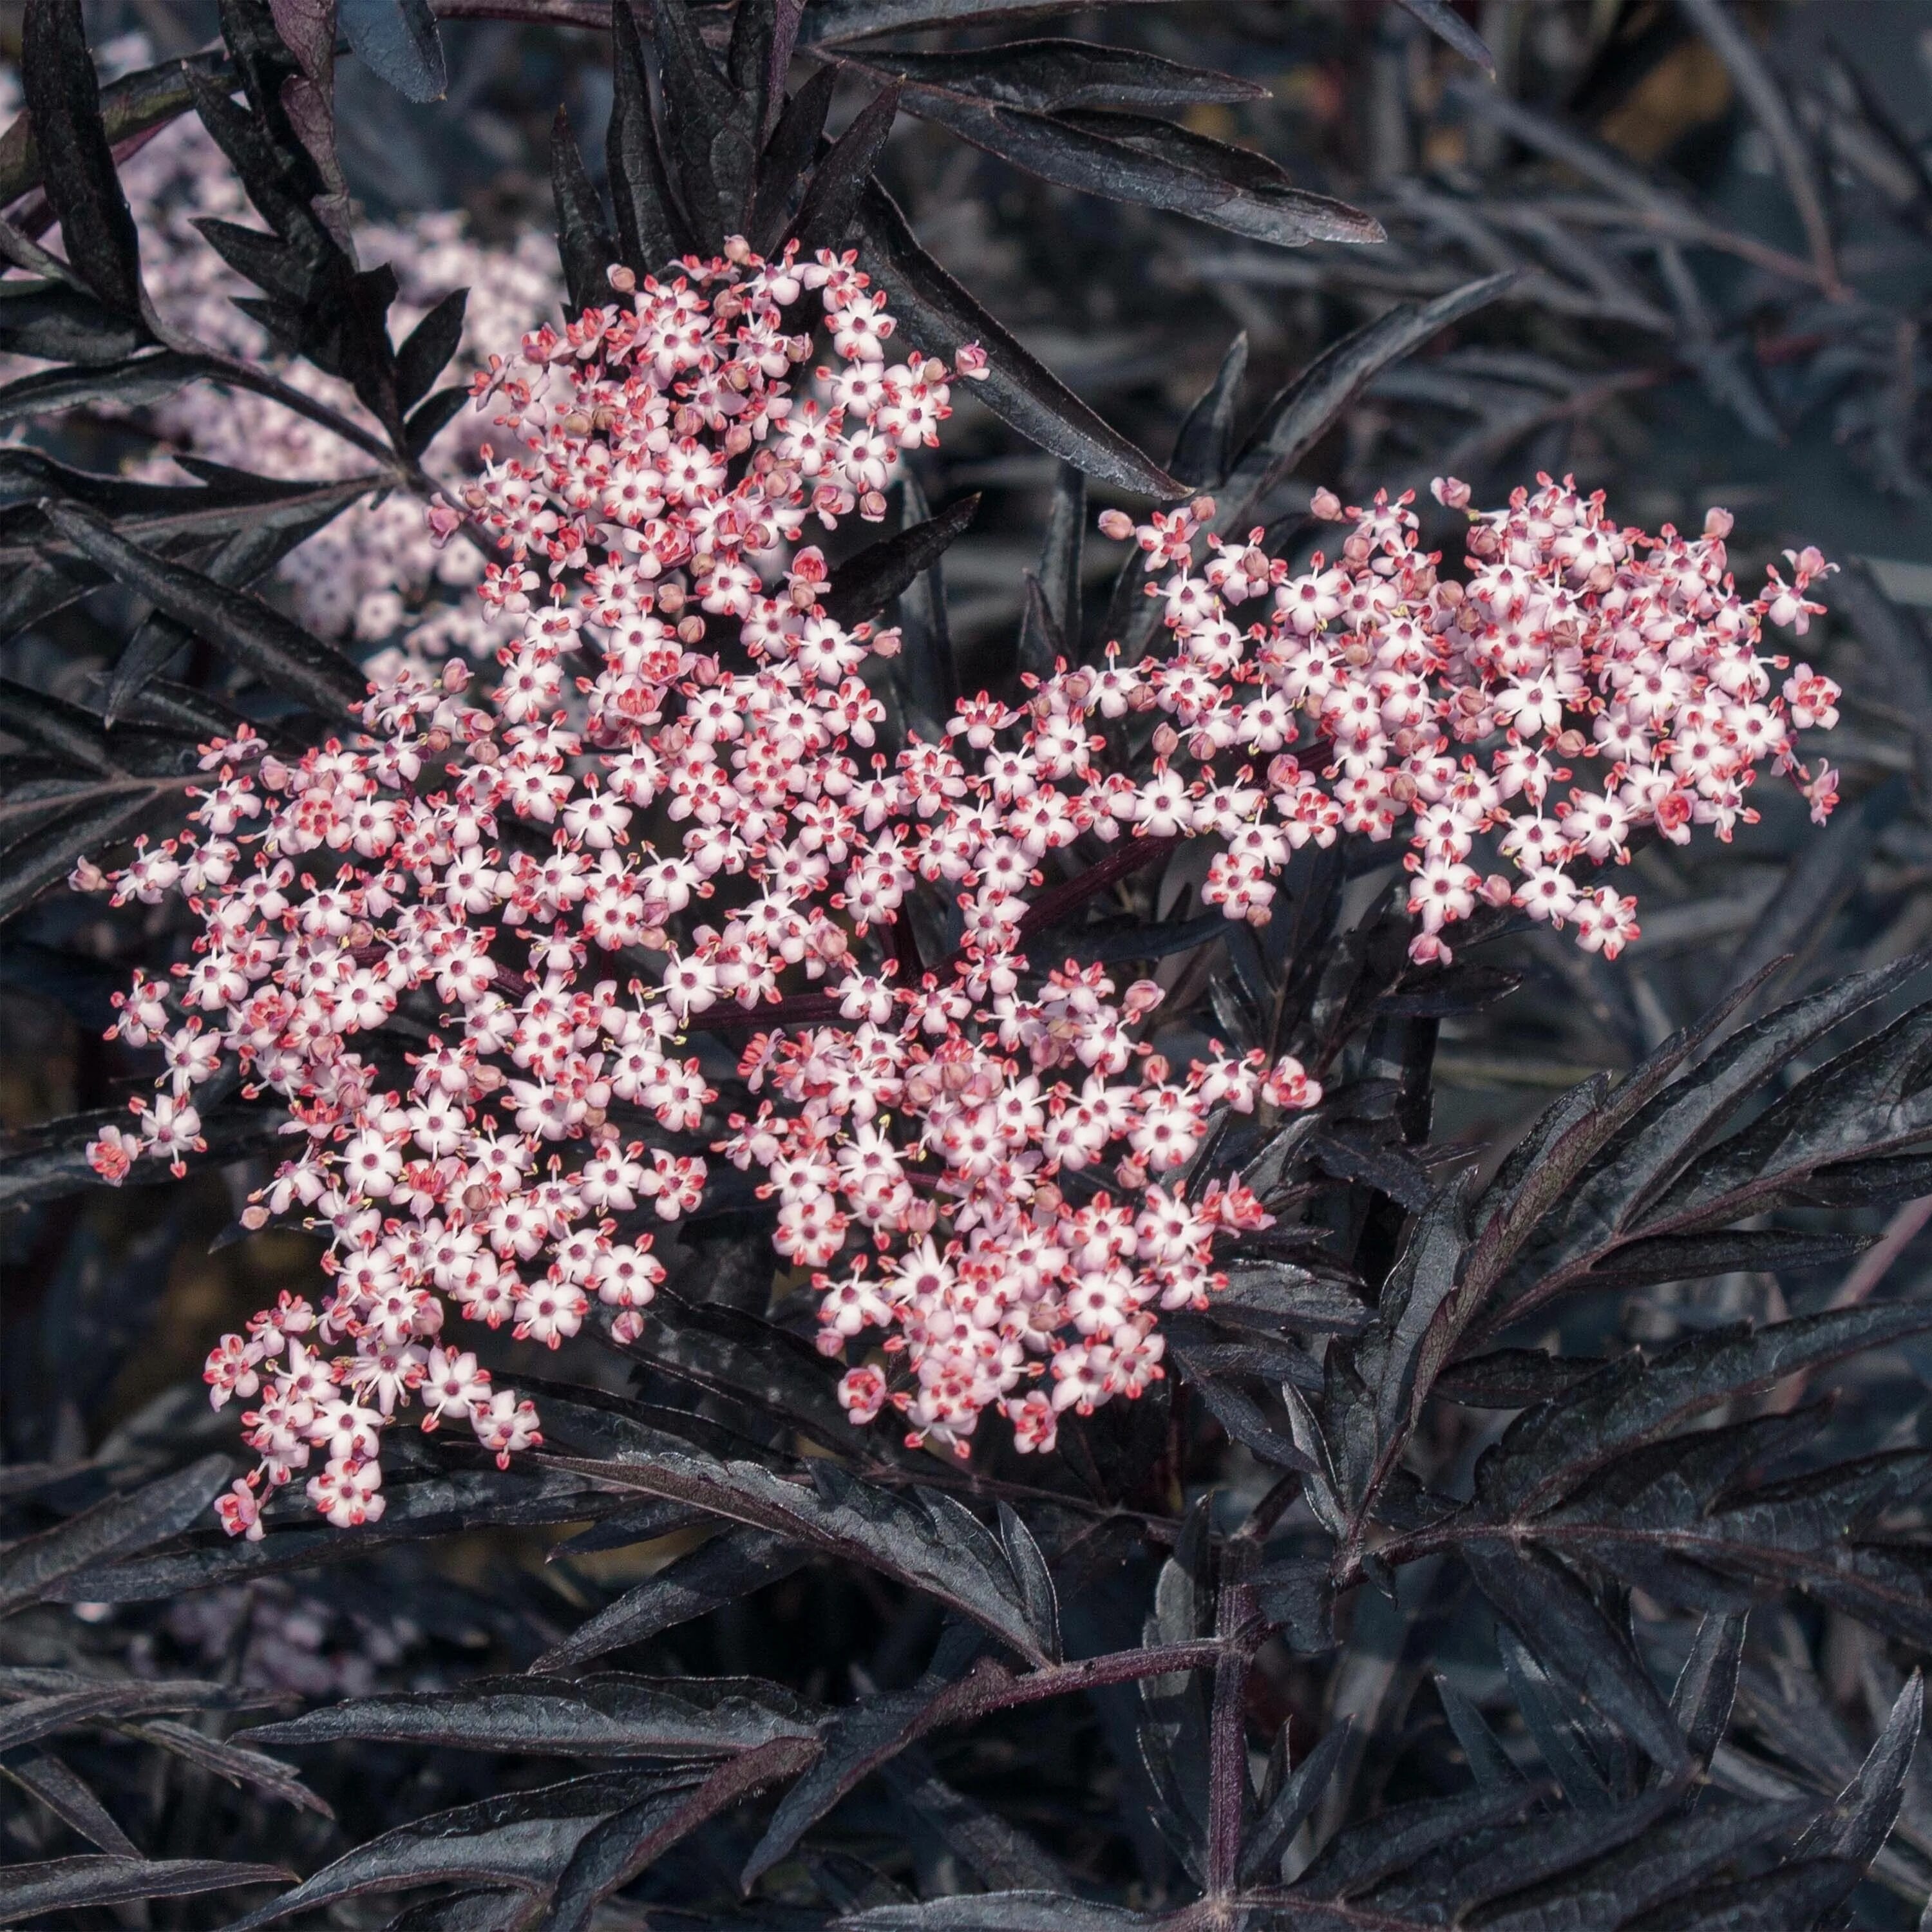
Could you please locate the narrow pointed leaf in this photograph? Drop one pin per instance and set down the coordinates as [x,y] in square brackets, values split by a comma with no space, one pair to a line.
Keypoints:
[76,158]
[727,1568]
[831,204]
[66,1884]
[940,317]
[863,586]
[398,40]
[277,649]
[30,1568]
[582,242]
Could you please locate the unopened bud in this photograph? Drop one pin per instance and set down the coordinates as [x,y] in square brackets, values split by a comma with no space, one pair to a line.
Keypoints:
[1326,506]
[623,279]
[1116,524]
[1166,739]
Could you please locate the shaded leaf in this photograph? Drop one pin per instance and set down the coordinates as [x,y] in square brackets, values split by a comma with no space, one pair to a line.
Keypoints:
[730,1566]
[1292,1806]
[1627,1403]
[426,350]
[650,229]
[607,1716]
[57,323]
[1204,446]
[1441,19]
[582,242]
[398,40]
[1044,76]
[523,1838]
[929,1542]
[1708,1684]
[1862,1817]
[939,317]
[1300,414]
[865,584]
[31,1568]
[63,1885]
[1571,1638]
[276,648]
[831,204]
[77,159]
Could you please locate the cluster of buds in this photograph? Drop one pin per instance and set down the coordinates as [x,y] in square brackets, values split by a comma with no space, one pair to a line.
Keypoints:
[984,1166]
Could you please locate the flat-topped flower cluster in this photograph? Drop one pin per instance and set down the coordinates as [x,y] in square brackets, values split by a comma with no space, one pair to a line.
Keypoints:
[470,945]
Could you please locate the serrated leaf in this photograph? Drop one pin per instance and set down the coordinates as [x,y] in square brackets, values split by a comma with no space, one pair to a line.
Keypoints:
[1793,1900]
[523,1838]
[233,1761]
[1680,1851]
[30,1718]
[1862,1817]
[398,40]
[44,1777]
[30,1568]
[727,1568]
[939,317]
[276,648]
[922,1543]
[77,159]
[1036,1581]
[1708,1684]
[863,586]
[1553,1615]
[698,108]
[1000,1911]
[1627,1404]
[1549,1713]
[67,1885]
[1292,1805]
[1361,1857]
[650,227]
[1246,1424]
[617,1848]
[857,1741]
[434,1506]
[611,1715]
[1674,1125]
[1044,76]
[1125,157]
[1490,1766]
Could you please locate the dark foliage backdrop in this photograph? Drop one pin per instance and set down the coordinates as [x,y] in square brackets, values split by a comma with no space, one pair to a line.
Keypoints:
[1534,1536]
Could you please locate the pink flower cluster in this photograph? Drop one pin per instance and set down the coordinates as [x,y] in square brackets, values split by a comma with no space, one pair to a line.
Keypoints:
[1571,639]
[983,1166]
